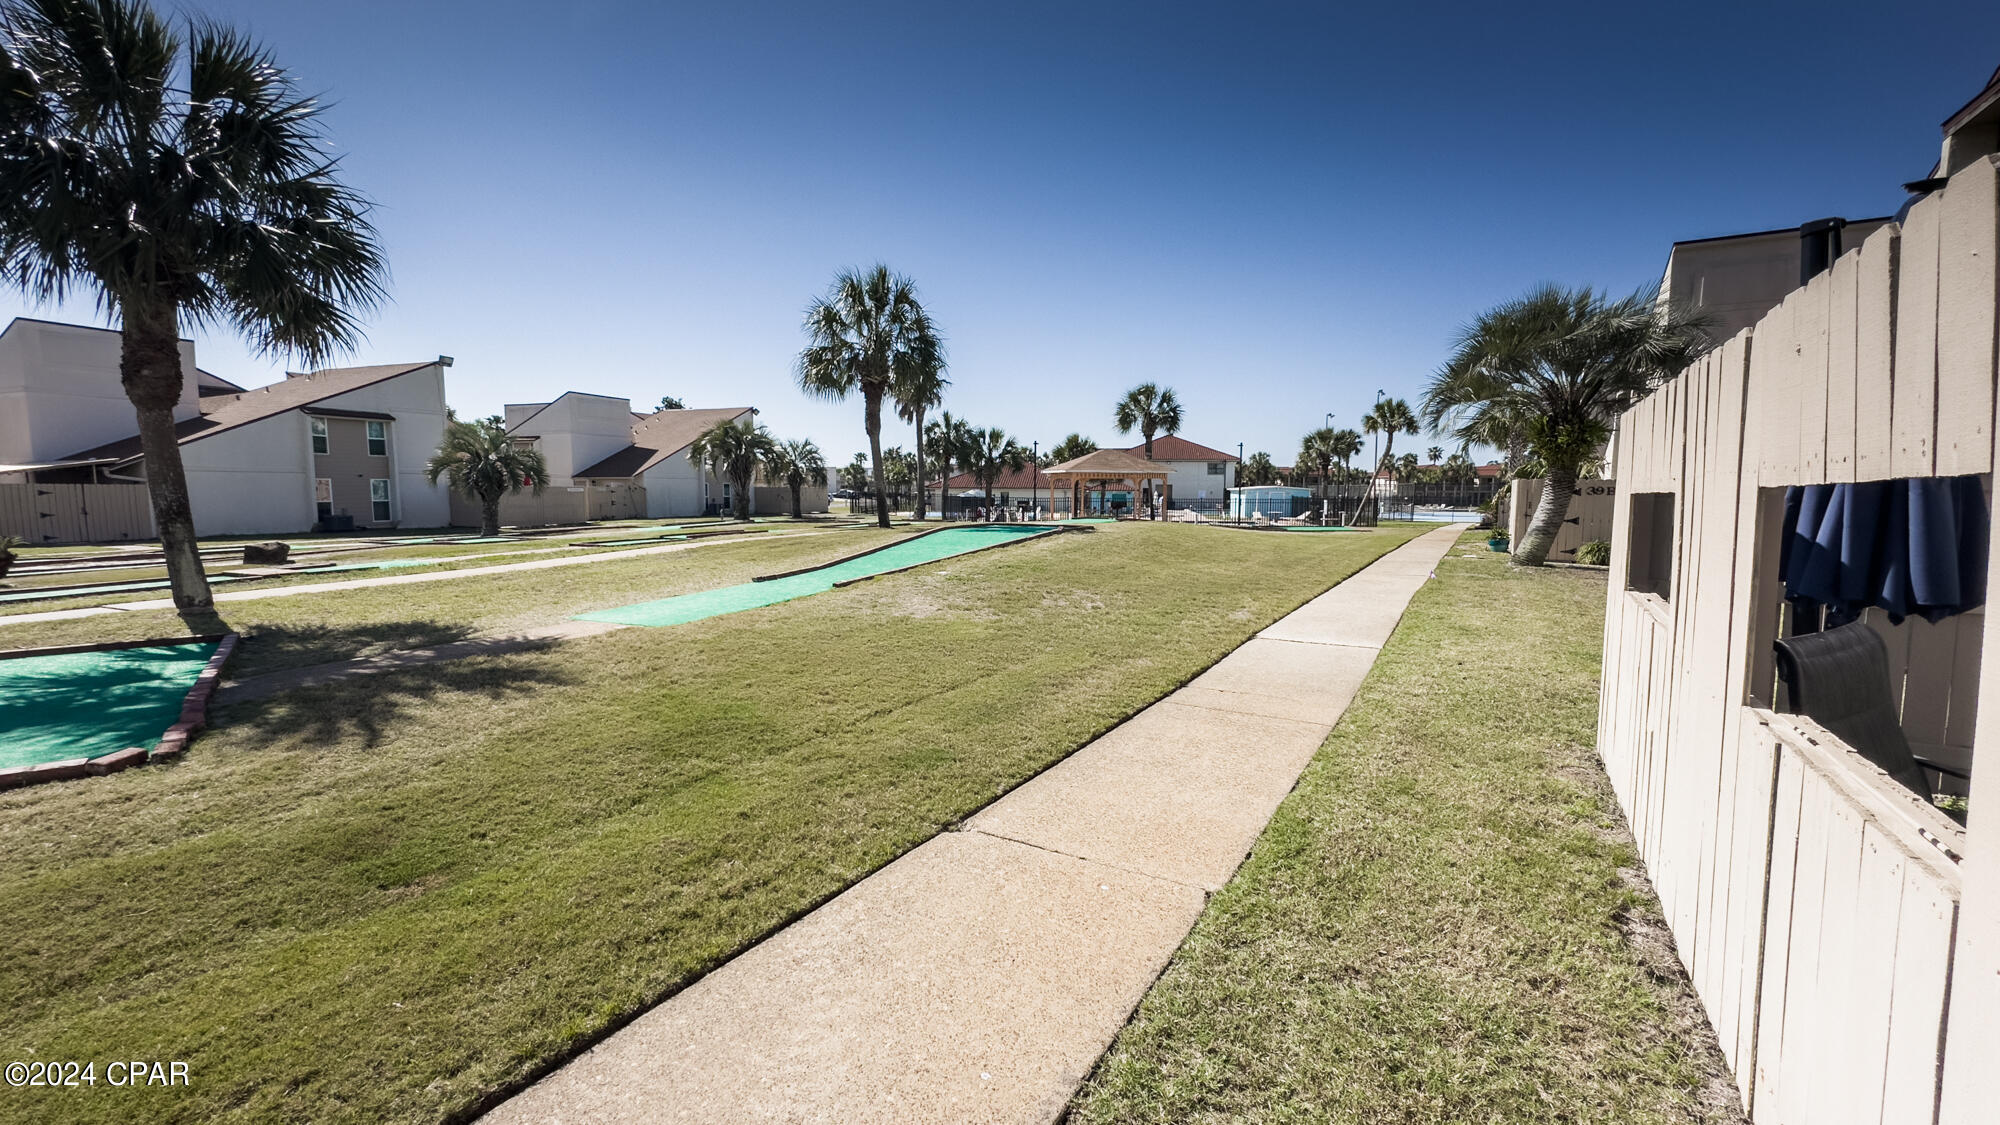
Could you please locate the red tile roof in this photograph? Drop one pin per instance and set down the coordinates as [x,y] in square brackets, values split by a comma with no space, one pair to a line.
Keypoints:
[1173,447]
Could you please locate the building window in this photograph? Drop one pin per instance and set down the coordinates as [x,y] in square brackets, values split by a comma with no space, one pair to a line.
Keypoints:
[378,496]
[318,434]
[378,439]
[1216,468]
[1649,565]
[323,497]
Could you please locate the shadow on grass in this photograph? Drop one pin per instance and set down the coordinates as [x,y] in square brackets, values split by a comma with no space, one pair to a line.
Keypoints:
[274,648]
[366,706]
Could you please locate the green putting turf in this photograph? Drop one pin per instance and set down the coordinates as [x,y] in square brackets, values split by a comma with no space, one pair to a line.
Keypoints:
[750,595]
[83,704]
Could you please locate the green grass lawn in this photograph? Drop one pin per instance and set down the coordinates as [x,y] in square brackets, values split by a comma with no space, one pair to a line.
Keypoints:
[387,899]
[437,556]
[305,629]
[1444,921]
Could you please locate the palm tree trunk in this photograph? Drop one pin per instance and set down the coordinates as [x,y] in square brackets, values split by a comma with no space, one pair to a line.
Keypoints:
[923,486]
[1148,431]
[149,366]
[1550,511]
[741,506]
[872,418]
[489,516]
[798,506]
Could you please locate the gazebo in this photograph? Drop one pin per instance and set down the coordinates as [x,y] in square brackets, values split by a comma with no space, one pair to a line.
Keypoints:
[1104,471]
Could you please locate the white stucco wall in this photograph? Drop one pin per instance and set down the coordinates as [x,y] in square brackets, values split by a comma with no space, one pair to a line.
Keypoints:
[577,431]
[257,480]
[251,480]
[59,391]
[674,489]
[1189,479]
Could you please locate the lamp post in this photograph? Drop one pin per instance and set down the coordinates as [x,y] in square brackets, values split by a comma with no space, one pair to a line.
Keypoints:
[1034,478]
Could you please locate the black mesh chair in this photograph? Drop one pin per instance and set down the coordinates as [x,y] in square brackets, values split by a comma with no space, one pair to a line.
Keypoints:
[1839,679]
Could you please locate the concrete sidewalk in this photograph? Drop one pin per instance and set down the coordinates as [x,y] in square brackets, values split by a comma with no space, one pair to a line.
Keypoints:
[980,976]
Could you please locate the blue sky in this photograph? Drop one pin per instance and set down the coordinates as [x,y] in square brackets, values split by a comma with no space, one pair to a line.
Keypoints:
[1275,209]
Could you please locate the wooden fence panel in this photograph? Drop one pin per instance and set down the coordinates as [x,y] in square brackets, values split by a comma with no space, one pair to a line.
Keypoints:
[75,513]
[1842,284]
[1875,353]
[1815,304]
[1968,301]
[1914,416]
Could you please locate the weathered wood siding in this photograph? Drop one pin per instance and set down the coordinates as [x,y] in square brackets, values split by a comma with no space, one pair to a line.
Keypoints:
[1815,904]
[1589,515]
[42,514]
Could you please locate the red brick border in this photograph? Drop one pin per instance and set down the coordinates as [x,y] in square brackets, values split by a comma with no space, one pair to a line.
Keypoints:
[193,716]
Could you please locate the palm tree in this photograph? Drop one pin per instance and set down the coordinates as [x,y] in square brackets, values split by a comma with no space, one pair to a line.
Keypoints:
[733,450]
[1458,469]
[897,467]
[1071,448]
[1436,454]
[1149,409]
[1390,417]
[919,386]
[1346,445]
[1316,449]
[797,464]
[1558,365]
[943,438]
[853,476]
[988,454]
[865,335]
[1405,467]
[480,460]
[182,178]
[1257,469]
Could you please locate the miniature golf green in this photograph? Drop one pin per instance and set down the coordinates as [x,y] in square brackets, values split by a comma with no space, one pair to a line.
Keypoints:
[750,595]
[83,704]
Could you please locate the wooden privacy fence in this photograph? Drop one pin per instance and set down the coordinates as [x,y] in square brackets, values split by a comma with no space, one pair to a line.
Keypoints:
[557,505]
[1815,903]
[75,513]
[1589,514]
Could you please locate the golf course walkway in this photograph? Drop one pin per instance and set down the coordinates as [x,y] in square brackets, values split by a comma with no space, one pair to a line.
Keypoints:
[980,976]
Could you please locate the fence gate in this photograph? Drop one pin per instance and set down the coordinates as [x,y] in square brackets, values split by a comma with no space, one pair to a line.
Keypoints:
[75,513]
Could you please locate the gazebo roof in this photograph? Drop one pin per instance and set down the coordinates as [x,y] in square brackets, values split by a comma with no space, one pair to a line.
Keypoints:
[1108,464]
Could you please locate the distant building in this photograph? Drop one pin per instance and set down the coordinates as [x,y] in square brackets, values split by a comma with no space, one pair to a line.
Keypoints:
[341,446]
[1734,279]
[598,442]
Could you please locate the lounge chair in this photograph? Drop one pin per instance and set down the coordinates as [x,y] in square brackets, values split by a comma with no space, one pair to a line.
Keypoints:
[1839,679]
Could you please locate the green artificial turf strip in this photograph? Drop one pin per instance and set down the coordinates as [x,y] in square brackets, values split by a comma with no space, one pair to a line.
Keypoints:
[378,901]
[1438,925]
[752,595]
[83,704]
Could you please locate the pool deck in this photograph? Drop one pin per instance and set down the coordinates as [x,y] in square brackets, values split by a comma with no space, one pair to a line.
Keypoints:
[980,976]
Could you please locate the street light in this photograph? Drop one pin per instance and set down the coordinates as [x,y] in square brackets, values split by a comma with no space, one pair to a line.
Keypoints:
[1035,478]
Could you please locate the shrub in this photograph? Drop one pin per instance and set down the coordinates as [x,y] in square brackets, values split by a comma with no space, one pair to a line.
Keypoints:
[1597,552]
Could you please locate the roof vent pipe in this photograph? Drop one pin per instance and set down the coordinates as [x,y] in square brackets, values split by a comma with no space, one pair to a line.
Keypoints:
[1819,245]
